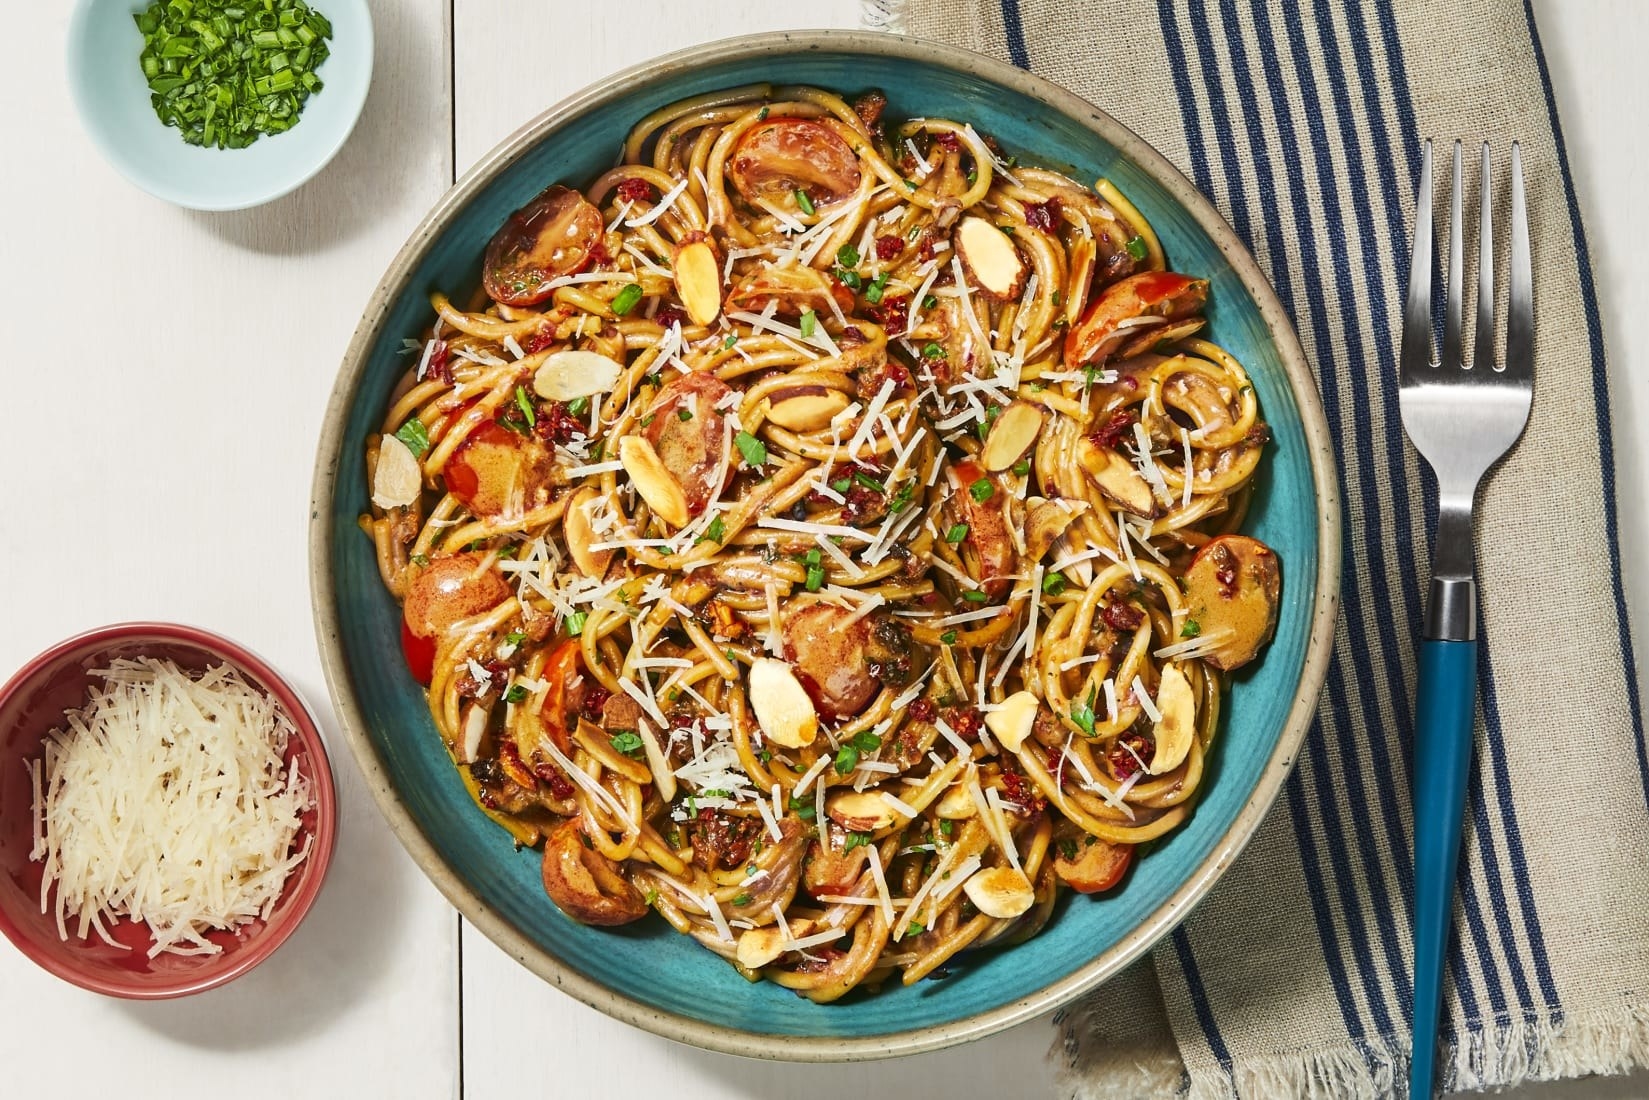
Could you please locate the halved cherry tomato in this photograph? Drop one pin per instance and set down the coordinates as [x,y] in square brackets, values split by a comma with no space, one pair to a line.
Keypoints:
[777,158]
[419,653]
[560,671]
[553,235]
[1167,295]
[449,588]
[1097,865]
[498,472]
[690,448]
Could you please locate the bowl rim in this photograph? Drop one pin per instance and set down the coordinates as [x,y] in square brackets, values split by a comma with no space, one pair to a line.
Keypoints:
[308,730]
[127,167]
[1164,918]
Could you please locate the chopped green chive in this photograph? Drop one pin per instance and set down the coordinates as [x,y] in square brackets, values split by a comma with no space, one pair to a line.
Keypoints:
[1082,713]
[948,637]
[865,741]
[515,637]
[973,595]
[815,577]
[741,899]
[524,403]
[868,482]
[804,201]
[847,256]
[981,490]
[713,533]
[809,321]
[946,826]
[933,350]
[1191,629]
[575,623]
[753,449]
[929,302]
[855,840]
[873,292]
[578,406]
[761,115]
[956,534]
[915,928]
[627,742]
[627,299]
[1136,248]
[1021,468]
[224,74]
[727,344]
[515,694]
[842,484]
[802,809]
[1053,584]
[847,758]
[419,560]
[684,413]
[847,278]
[415,436]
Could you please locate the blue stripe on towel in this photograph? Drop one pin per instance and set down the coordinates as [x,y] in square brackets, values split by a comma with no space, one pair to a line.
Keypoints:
[1199,1000]
[1600,399]
[1333,955]
[1013,29]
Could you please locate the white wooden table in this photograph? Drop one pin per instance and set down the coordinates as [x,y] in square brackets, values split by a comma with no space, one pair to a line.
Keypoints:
[165,376]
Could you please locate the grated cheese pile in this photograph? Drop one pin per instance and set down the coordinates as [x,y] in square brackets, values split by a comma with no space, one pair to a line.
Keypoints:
[164,799]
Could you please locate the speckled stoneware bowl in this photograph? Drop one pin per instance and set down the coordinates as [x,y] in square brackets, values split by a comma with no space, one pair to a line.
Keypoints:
[646,973]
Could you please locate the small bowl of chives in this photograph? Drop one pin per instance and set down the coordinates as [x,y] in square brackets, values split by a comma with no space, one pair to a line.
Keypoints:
[219,104]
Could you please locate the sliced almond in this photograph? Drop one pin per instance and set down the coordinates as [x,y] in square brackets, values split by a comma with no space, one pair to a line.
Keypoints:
[568,375]
[698,281]
[760,946]
[782,706]
[1013,434]
[955,804]
[1080,279]
[1000,892]
[398,479]
[581,536]
[1117,478]
[993,264]
[805,408]
[475,727]
[1177,704]
[657,486]
[860,811]
[1011,721]
[1045,521]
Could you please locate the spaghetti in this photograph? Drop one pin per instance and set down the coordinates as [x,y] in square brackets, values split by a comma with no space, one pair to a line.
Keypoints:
[820,531]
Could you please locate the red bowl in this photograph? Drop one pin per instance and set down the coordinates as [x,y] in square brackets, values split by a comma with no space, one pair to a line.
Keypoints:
[31,704]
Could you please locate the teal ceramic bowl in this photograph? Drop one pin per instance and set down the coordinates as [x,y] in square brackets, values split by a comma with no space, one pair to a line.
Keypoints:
[113,100]
[646,973]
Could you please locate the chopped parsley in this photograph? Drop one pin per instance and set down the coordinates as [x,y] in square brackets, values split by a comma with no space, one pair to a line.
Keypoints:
[1082,713]
[627,742]
[515,694]
[933,350]
[713,533]
[856,840]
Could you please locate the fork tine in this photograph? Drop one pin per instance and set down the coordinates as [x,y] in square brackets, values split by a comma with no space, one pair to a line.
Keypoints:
[1455,311]
[1520,301]
[1484,336]
[1416,350]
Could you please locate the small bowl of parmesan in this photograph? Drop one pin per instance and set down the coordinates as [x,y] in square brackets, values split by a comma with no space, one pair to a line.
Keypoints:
[167,811]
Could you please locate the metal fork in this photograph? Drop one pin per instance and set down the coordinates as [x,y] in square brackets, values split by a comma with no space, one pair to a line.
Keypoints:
[1463,414]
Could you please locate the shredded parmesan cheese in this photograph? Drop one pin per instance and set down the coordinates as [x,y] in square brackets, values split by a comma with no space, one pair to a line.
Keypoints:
[166,800]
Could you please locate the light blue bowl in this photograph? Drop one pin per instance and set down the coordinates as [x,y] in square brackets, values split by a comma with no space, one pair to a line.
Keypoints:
[113,100]
[646,973]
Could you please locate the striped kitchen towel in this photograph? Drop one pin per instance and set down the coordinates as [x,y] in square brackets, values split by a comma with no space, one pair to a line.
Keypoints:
[1302,120]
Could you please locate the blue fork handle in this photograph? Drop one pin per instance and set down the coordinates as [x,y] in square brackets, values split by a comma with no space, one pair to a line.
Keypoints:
[1442,760]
